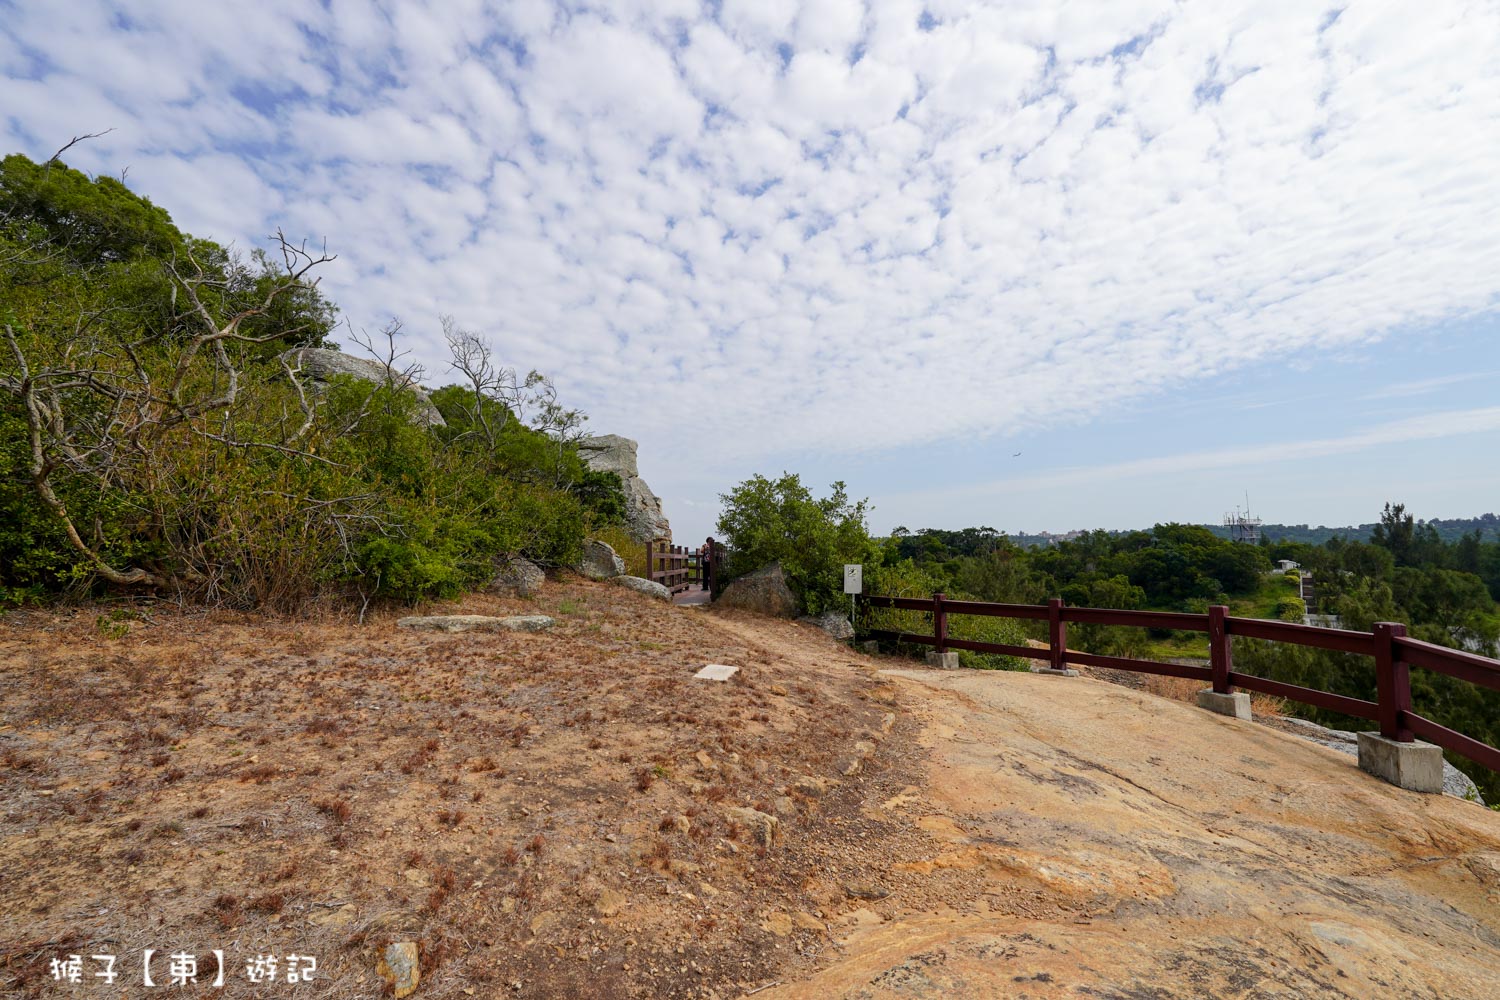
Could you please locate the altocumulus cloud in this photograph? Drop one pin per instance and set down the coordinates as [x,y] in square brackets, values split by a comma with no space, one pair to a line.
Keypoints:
[840,224]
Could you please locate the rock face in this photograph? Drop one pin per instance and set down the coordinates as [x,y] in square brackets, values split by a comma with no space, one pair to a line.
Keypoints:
[648,587]
[477,623]
[764,592]
[1455,782]
[599,561]
[320,365]
[518,576]
[832,622]
[643,515]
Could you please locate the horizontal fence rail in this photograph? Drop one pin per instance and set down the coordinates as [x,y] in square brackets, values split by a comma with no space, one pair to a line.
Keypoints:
[1393,651]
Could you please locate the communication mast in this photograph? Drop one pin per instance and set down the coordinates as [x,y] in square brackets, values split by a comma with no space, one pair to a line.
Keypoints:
[1242,526]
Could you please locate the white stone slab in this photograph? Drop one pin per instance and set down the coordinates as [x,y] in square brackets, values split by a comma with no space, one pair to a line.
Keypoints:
[716,672]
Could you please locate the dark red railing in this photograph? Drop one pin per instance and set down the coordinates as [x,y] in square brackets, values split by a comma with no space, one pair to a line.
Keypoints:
[1393,651]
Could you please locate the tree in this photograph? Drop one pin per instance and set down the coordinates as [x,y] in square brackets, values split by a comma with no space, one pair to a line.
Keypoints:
[1002,575]
[766,521]
[1396,533]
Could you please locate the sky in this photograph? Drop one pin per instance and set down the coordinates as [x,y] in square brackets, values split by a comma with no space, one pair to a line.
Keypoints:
[1030,265]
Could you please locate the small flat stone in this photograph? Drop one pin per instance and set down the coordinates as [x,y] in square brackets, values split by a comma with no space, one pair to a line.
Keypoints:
[811,786]
[398,966]
[764,828]
[777,923]
[866,890]
[716,672]
[477,623]
[807,922]
[610,903]
[332,918]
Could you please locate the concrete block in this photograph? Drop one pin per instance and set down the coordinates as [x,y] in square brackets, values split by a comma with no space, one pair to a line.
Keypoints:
[943,661]
[1064,672]
[1415,766]
[1236,706]
[716,672]
[870,646]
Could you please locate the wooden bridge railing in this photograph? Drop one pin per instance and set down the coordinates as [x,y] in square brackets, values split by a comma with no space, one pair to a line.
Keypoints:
[679,568]
[1393,651]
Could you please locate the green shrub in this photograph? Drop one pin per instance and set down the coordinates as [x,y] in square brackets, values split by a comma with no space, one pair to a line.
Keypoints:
[766,521]
[1291,609]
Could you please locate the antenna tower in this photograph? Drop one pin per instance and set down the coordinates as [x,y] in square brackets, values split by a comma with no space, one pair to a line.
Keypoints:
[1242,526]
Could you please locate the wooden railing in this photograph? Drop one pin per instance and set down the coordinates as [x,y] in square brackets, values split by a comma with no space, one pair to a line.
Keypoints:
[1387,643]
[679,568]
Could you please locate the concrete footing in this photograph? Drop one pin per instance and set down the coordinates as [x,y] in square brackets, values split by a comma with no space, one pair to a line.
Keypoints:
[870,646]
[1235,705]
[943,661]
[1064,672]
[1415,766]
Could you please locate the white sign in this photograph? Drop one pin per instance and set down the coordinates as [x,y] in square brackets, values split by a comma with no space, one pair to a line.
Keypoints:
[854,578]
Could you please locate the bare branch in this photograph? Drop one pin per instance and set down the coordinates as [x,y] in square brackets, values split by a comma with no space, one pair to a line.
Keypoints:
[308,411]
[69,145]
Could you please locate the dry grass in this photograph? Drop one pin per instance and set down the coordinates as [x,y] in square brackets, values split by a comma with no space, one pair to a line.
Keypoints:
[321,787]
[1186,689]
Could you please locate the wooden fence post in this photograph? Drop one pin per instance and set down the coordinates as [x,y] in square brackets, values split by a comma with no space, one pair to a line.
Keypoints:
[1218,648]
[1057,634]
[1392,682]
[940,623]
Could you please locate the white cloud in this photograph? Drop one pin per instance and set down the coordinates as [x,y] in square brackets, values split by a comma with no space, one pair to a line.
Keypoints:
[990,220]
[1426,427]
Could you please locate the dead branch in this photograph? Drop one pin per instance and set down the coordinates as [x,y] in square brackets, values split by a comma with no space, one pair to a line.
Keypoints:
[70,144]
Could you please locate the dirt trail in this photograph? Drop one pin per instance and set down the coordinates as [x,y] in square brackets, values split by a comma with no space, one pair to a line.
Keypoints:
[1107,843]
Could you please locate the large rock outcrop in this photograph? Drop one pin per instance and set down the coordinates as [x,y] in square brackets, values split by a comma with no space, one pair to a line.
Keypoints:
[320,365]
[643,515]
[764,592]
[518,576]
[599,561]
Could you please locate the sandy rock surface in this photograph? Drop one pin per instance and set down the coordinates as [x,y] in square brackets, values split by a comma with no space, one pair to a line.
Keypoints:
[1117,844]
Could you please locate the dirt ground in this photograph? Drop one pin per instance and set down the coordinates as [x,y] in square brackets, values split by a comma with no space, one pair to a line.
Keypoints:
[554,814]
[544,814]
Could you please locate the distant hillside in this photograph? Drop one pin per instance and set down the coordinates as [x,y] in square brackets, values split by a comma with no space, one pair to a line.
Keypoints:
[1450,530]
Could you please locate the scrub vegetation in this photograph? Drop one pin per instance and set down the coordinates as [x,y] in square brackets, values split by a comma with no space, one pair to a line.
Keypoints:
[156,436]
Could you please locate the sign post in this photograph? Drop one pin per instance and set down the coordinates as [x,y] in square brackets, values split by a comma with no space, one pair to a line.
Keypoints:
[854,584]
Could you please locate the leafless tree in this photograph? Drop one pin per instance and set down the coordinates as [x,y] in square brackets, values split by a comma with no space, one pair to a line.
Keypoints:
[96,407]
[499,392]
